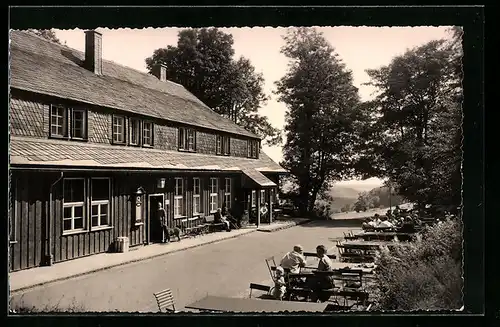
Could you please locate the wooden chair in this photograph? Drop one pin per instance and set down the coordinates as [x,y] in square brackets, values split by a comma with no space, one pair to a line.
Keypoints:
[165,300]
[270,262]
[260,287]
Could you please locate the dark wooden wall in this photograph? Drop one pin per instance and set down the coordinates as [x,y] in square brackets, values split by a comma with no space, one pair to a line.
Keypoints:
[31,209]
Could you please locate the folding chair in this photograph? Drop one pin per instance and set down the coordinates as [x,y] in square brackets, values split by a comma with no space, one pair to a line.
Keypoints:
[270,262]
[165,300]
[259,287]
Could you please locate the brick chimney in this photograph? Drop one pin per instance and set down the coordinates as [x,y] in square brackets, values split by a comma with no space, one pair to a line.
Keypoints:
[160,71]
[93,51]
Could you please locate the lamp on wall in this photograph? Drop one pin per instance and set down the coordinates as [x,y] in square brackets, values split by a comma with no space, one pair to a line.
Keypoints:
[161,183]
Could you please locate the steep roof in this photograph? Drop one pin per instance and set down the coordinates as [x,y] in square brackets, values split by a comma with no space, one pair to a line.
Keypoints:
[41,66]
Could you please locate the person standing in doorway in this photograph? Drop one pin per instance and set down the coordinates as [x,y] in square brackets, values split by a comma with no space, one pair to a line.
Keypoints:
[162,215]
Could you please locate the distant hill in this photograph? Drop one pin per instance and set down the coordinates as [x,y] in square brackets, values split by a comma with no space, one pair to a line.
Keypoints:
[342,196]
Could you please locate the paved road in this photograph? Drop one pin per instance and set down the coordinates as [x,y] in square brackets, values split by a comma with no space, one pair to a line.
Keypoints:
[224,269]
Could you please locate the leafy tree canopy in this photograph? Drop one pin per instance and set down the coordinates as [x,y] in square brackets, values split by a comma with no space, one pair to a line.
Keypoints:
[203,62]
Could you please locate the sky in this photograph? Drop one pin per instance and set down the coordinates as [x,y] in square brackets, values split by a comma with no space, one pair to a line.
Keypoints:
[360,48]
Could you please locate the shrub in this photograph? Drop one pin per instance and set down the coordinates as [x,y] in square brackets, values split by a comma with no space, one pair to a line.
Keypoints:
[422,275]
[322,210]
[23,308]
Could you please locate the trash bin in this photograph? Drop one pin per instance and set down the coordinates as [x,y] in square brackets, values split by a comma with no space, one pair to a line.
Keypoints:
[121,244]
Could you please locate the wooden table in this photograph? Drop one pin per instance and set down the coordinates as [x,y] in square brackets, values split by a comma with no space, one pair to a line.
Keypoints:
[226,304]
[388,236]
[364,245]
[342,265]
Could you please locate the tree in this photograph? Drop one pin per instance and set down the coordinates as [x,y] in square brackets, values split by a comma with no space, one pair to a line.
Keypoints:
[203,62]
[416,123]
[363,202]
[46,34]
[322,112]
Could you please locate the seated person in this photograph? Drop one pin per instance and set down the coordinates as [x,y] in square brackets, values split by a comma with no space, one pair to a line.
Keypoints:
[294,260]
[219,218]
[227,214]
[317,283]
[385,223]
[279,284]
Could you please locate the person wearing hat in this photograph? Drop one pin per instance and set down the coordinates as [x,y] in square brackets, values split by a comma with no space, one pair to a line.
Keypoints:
[294,260]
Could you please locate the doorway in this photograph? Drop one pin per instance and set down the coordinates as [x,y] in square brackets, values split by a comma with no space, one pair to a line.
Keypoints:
[154,231]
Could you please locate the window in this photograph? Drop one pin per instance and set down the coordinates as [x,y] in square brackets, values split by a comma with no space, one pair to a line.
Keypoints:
[135,131]
[222,145]
[218,144]
[196,196]
[226,145]
[73,204]
[252,149]
[214,188]
[254,198]
[227,193]
[147,137]
[99,202]
[79,124]
[187,139]
[262,196]
[118,129]
[178,198]
[58,121]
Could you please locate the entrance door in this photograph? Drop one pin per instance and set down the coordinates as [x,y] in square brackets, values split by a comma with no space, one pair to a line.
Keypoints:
[154,230]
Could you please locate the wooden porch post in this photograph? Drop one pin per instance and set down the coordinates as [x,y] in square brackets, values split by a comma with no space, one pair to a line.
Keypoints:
[257,194]
[270,206]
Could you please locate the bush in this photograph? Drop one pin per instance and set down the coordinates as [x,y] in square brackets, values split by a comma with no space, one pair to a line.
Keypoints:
[422,275]
[22,308]
[322,210]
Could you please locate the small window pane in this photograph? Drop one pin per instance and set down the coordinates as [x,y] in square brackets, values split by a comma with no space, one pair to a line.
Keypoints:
[78,212]
[104,220]
[95,221]
[67,224]
[104,209]
[78,223]
[67,212]
[95,210]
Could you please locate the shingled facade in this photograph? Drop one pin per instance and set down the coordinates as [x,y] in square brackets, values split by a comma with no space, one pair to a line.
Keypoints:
[94,146]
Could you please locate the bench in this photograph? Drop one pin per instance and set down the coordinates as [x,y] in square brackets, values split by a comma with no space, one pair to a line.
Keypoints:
[195,230]
[212,225]
[165,300]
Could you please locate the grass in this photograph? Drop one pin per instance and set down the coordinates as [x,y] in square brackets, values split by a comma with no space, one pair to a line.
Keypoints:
[21,307]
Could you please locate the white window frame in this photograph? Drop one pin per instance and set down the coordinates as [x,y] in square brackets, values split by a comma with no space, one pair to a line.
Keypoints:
[227,191]
[218,144]
[187,139]
[100,203]
[190,141]
[117,118]
[84,124]
[136,131]
[74,205]
[214,196]
[147,140]
[249,148]
[179,198]
[226,145]
[63,119]
[254,198]
[196,196]
[262,196]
